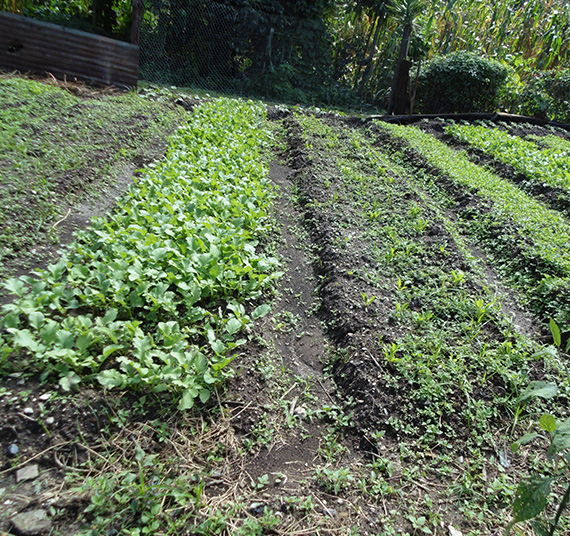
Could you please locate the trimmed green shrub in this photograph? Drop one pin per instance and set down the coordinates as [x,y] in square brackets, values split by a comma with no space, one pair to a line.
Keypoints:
[462,82]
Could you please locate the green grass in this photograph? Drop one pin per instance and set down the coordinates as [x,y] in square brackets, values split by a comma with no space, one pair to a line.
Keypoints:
[56,149]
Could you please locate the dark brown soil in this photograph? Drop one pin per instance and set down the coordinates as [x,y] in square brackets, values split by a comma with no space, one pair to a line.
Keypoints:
[300,350]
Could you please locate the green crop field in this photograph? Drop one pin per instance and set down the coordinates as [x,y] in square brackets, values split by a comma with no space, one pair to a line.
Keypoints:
[293,322]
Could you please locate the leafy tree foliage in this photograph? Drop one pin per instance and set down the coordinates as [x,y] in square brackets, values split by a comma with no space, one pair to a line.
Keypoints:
[107,17]
[330,51]
[546,94]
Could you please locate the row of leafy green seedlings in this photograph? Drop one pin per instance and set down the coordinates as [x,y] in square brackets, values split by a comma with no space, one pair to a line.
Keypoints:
[545,165]
[156,296]
[556,143]
[528,240]
[555,138]
[460,363]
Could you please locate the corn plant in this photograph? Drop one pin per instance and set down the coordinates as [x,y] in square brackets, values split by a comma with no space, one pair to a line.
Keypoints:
[532,33]
[528,35]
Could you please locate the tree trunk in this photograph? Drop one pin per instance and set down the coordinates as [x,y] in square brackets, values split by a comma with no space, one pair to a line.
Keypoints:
[403,54]
[415,89]
[269,51]
[136,18]
[401,91]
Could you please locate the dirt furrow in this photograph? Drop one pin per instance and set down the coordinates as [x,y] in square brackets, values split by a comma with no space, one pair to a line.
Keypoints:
[285,406]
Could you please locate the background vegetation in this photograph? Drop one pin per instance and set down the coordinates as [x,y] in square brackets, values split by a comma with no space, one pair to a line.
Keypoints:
[333,51]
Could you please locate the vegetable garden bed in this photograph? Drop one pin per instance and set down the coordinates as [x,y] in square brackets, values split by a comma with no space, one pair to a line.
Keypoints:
[341,342]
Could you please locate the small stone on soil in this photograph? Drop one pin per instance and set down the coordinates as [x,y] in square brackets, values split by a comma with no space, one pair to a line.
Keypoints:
[50,420]
[45,396]
[301,412]
[12,450]
[454,532]
[28,411]
[256,508]
[31,523]
[29,472]
[504,459]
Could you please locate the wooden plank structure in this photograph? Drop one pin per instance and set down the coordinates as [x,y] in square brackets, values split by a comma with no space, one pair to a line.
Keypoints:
[29,45]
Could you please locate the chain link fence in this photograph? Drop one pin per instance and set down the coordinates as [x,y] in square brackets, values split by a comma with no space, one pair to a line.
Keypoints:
[239,50]
[189,45]
[275,49]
